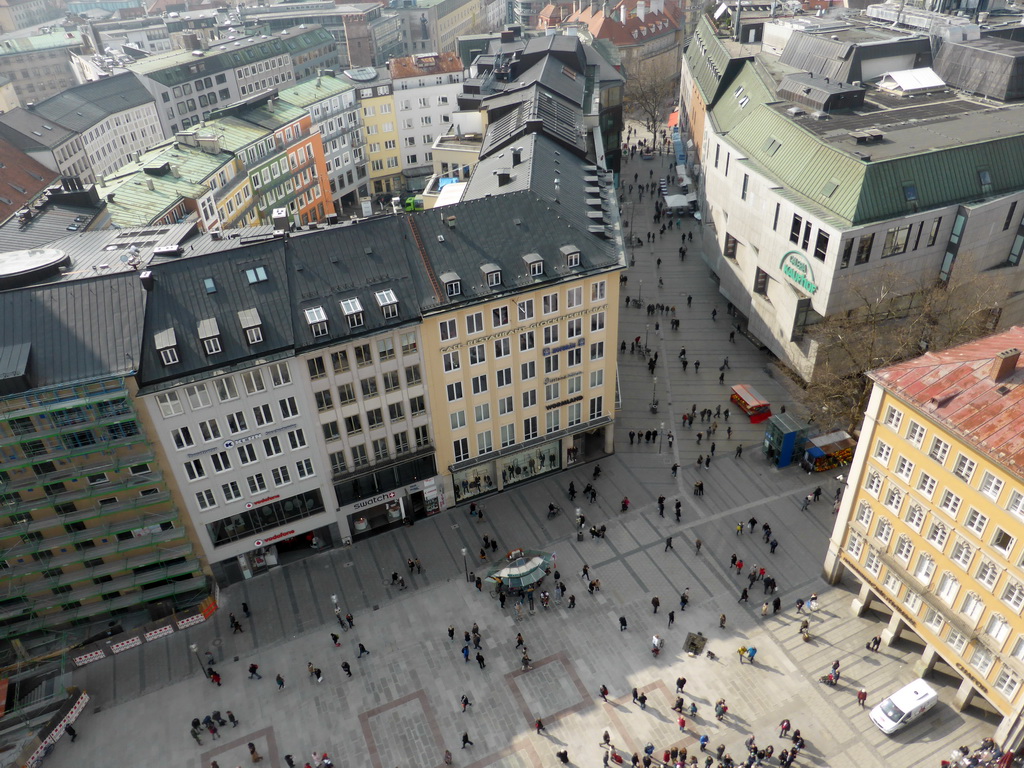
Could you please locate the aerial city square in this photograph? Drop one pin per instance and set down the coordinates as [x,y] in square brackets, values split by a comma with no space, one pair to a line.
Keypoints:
[497,385]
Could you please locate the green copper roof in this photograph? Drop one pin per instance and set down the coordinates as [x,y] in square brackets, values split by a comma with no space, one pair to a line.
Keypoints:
[314,89]
[235,135]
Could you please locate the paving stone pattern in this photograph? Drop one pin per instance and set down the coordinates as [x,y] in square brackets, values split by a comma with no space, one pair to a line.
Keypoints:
[401,707]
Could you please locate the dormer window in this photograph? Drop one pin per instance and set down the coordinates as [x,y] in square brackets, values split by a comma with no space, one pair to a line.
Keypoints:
[388,303]
[316,319]
[209,334]
[353,311]
[452,284]
[535,263]
[167,345]
[571,254]
[252,325]
[492,274]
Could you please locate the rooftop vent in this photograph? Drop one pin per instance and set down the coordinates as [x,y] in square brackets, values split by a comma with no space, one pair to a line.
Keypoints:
[796,111]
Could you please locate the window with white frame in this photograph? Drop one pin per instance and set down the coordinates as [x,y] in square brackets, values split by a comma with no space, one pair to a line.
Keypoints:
[991,486]
[912,601]
[1016,503]
[964,468]
[894,499]
[956,640]
[1007,682]
[925,569]
[972,607]
[987,574]
[904,468]
[169,404]
[883,531]
[198,397]
[855,545]
[976,521]
[904,549]
[948,588]
[1013,594]
[475,323]
[998,628]
[934,620]
[982,660]
[882,452]
[864,513]
[873,564]
[915,516]
[915,433]
[1003,541]
[873,484]
[939,450]
[938,533]
[950,503]
[892,583]
[926,485]
[962,553]
[893,417]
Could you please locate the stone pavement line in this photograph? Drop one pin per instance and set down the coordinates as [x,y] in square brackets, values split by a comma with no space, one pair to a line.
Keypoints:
[256,736]
[366,725]
[524,748]
[567,666]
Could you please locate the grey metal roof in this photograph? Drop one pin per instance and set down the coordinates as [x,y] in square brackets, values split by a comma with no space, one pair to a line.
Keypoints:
[842,59]
[513,114]
[80,108]
[990,67]
[81,330]
[28,131]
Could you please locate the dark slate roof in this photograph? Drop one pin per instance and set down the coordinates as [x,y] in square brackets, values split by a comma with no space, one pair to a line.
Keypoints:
[323,267]
[80,330]
[511,114]
[557,78]
[80,108]
[31,132]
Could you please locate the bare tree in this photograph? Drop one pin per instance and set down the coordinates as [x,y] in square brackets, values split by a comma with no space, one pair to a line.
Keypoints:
[886,325]
[649,92]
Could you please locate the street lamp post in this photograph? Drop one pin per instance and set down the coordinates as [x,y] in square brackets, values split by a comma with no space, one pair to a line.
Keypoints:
[647,334]
[640,298]
[195,649]
[654,393]
[661,436]
[465,565]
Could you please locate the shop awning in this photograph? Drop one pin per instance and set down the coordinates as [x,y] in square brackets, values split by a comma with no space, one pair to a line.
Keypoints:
[673,119]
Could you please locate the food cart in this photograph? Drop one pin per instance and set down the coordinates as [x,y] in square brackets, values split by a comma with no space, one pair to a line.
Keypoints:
[749,400]
[825,452]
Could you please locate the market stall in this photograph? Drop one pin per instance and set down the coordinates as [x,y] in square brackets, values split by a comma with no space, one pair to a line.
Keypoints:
[825,452]
[749,400]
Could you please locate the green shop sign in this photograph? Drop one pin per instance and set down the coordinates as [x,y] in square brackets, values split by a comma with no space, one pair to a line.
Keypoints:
[794,265]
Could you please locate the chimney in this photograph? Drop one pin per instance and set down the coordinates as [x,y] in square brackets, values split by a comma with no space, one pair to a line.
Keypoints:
[623,14]
[641,9]
[110,197]
[517,156]
[149,184]
[146,278]
[1004,365]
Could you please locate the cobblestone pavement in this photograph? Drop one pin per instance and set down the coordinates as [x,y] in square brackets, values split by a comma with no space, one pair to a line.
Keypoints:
[401,706]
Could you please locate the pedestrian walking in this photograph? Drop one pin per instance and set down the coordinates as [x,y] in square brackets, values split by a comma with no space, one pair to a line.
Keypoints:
[671,619]
[334,639]
[773,545]
[70,731]
[668,544]
[539,725]
[784,727]
[721,621]
[362,650]
[465,740]
[656,603]
[743,597]
[675,469]
[346,669]
[862,697]
[697,545]
[642,700]
[194,733]
[876,641]
[254,673]
[232,719]
[684,599]
[480,660]
[764,608]
[465,702]
[280,682]
[604,692]
[245,610]
[806,503]
[215,678]
[636,695]
[739,451]
[679,510]
[800,605]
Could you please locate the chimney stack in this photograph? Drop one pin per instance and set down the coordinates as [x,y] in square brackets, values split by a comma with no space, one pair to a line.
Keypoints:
[1004,365]
[517,156]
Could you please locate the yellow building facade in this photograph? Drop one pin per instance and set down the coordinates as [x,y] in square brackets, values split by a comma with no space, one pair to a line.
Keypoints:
[932,523]
[522,385]
[382,149]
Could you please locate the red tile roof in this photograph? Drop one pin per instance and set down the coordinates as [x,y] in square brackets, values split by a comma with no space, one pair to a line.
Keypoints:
[23,179]
[958,389]
[654,24]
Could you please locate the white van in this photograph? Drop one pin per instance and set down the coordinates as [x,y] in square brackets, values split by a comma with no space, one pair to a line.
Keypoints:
[904,707]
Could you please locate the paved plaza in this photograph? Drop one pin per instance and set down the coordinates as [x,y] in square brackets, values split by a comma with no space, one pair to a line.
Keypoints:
[400,709]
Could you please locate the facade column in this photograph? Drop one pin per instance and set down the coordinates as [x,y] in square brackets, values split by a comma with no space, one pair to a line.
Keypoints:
[1010,733]
[892,632]
[964,694]
[923,667]
[609,438]
[833,569]
[863,600]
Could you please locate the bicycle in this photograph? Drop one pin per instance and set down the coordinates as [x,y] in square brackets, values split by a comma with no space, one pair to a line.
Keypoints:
[553,510]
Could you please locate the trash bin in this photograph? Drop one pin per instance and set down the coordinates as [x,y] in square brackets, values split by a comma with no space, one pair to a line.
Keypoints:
[579,535]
